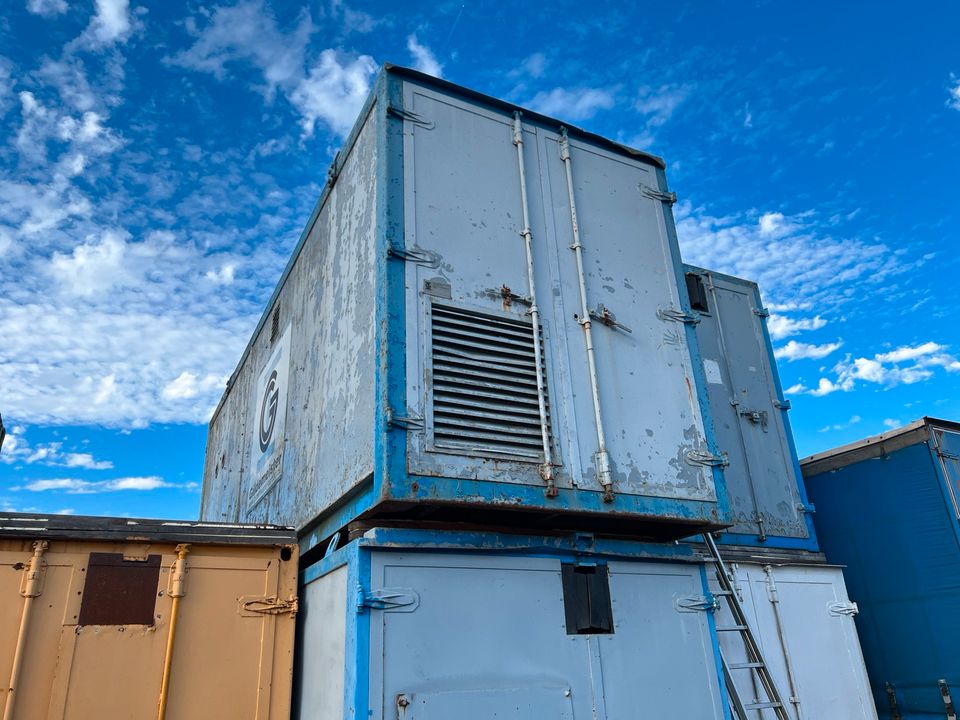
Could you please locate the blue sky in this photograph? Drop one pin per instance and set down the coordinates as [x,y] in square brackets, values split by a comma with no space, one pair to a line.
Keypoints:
[158,161]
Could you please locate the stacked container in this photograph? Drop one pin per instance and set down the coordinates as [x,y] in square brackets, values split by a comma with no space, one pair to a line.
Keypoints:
[479,394]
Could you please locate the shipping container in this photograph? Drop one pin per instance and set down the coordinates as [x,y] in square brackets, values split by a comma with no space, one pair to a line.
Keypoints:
[887,510]
[422,625]
[118,618]
[768,503]
[485,319]
[803,619]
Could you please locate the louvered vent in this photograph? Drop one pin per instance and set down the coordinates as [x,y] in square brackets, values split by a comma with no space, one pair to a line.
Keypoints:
[484,384]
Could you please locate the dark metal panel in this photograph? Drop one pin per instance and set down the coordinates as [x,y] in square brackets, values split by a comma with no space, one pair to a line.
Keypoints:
[119,591]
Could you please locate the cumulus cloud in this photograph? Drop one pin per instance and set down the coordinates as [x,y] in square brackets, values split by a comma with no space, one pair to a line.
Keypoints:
[110,24]
[18,450]
[187,385]
[905,365]
[781,326]
[573,103]
[794,350]
[891,423]
[333,92]
[423,58]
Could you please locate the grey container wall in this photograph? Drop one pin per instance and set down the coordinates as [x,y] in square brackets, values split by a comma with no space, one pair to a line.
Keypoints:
[887,509]
[768,502]
[420,625]
[393,374]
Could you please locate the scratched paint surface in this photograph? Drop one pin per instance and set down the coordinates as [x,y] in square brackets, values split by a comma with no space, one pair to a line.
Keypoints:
[463,208]
[328,299]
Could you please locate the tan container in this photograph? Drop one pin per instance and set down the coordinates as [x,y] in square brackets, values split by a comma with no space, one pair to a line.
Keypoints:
[115,618]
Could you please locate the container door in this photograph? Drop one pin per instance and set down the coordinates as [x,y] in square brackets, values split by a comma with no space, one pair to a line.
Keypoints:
[804,622]
[478,637]
[948,450]
[762,478]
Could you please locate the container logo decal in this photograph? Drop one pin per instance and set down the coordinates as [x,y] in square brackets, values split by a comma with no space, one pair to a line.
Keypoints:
[271,397]
[269,420]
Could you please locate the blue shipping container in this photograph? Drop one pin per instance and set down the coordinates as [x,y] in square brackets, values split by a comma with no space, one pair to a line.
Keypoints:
[887,510]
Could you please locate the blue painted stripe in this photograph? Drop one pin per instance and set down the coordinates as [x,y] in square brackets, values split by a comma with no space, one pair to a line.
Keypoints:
[715,642]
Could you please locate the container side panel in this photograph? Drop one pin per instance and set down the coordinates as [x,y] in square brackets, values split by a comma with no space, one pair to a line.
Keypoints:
[321,671]
[948,450]
[762,478]
[827,675]
[888,520]
[659,652]
[325,314]
[648,400]
[488,636]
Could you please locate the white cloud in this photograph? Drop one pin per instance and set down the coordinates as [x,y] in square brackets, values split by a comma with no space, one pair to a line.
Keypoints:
[659,104]
[909,353]
[891,423]
[953,93]
[47,8]
[93,268]
[573,103]
[423,58]
[534,65]
[222,276]
[186,385]
[74,486]
[248,32]
[781,326]
[333,92]
[16,450]
[825,387]
[111,22]
[854,420]
[86,460]
[794,350]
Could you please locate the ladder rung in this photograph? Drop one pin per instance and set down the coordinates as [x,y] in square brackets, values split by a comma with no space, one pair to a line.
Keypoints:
[761,705]
[742,666]
[731,628]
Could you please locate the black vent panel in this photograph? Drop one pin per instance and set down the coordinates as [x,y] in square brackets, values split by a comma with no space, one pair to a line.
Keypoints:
[485,384]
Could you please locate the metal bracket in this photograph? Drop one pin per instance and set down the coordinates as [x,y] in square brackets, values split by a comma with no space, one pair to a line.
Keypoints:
[697,457]
[508,296]
[761,312]
[388,599]
[808,508]
[654,194]
[410,117]
[603,315]
[840,608]
[696,603]
[333,172]
[757,417]
[669,314]
[415,255]
[251,606]
[947,699]
[408,422]
[782,404]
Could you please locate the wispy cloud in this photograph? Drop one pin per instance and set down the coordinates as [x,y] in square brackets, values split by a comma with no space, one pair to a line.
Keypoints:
[17,450]
[794,350]
[953,93]
[74,486]
[572,103]
[658,104]
[47,8]
[854,420]
[423,58]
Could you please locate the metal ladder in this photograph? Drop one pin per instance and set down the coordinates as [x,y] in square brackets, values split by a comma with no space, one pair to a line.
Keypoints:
[755,661]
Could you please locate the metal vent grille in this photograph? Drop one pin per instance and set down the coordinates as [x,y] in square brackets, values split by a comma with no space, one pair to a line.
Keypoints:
[484,384]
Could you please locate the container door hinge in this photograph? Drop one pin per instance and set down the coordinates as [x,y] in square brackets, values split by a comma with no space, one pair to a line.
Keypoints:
[411,117]
[251,606]
[806,508]
[406,422]
[696,603]
[415,255]
[654,194]
[603,315]
[388,600]
[761,312]
[698,457]
[669,314]
[840,608]
[782,404]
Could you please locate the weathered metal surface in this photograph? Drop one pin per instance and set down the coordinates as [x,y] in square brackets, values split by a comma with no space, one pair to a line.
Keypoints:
[900,547]
[488,638]
[326,305]
[421,229]
[812,653]
[87,656]
[763,477]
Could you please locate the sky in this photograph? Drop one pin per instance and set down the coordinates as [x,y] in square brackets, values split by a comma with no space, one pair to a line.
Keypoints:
[158,161]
